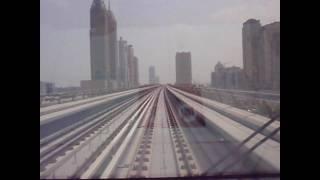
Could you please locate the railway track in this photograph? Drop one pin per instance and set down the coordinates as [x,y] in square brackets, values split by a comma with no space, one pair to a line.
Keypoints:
[188,166]
[157,134]
[141,162]
[53,152]
[68,105]
[64,119]
[105,166]
[91,119]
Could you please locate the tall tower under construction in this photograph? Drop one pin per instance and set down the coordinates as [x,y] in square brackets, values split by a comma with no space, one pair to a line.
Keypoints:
[103,44]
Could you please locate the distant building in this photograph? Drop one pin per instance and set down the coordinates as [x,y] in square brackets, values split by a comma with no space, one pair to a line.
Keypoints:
[261,54]
[135,72]
[227,77]
[130,66]
[157,80]
[218,79]
[183,68]
[103,46]
[213,79]
[95,85]
[123,63]
[234,78]
[252,51]
[271,45]
[46,88]
[69,89]
[152,74]
[153,78]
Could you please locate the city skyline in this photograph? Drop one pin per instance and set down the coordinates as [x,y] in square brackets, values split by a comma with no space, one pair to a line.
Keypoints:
[261,60]
[155,44]
[105,113]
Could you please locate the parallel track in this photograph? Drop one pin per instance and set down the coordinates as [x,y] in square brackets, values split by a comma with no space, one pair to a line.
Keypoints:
[65,144]
[130,139]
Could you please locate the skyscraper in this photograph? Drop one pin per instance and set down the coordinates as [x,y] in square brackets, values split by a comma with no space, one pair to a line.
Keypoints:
[135,71]
[103,44]
[112,40]
[271,46]
[123,62]
[152,75]
[261,54]
[252,52]
[183,68]
[130,66]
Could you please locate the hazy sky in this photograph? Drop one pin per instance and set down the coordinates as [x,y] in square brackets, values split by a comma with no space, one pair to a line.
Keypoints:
[209,29]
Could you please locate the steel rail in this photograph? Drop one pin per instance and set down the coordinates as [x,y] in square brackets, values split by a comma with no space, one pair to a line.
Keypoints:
[53,168]
[137,168]
[59,146]
[87,101]
[183,144]
[107,173]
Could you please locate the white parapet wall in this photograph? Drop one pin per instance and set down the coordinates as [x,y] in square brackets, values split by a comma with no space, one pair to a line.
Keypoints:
[269,151]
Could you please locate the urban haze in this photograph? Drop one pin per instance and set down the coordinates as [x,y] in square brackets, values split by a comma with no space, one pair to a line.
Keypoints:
[160,88]
[210,30]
